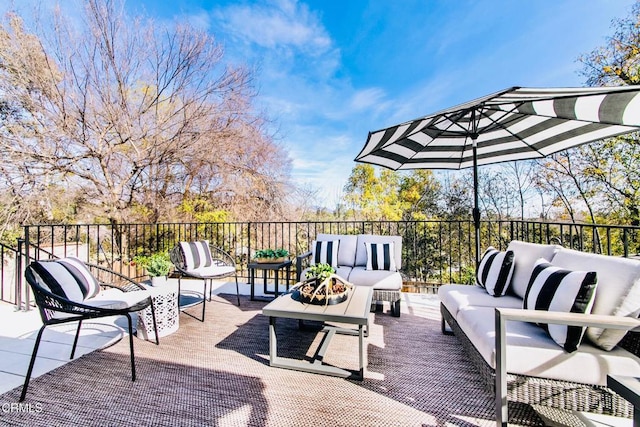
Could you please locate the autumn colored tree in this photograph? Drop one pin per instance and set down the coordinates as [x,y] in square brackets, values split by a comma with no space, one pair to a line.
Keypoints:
[133,115]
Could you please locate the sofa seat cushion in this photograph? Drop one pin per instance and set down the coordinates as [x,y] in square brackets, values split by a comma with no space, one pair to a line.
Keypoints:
[454,297]
[378,279]
[531,352]
[346,248]
[525,256]
[341,271]
[618,292]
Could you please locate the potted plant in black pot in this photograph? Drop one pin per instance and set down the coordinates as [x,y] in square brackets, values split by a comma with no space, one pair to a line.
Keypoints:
[271,255]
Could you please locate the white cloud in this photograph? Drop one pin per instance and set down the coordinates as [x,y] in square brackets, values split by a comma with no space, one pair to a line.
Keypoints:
[284,24]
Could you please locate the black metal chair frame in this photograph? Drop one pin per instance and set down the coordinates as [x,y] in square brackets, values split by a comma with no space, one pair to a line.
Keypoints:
[48,304]
[220,258]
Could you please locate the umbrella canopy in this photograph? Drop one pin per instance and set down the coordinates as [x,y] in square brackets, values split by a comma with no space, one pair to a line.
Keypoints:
[513,124]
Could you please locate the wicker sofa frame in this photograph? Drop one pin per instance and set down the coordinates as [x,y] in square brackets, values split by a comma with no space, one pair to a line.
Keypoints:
[541,391]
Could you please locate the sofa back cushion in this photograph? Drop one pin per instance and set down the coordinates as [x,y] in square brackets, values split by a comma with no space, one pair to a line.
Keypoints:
[361,248]
[618,292]
[525,256]
[346,248]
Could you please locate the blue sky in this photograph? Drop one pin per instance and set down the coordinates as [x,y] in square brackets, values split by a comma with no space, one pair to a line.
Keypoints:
[330,71]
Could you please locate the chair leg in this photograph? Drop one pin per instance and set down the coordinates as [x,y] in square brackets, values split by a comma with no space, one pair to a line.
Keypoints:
[31,363]
[155,325]
[133,363]
[210,289]
[395,308]
[204,299]
[238,290]
[75,340]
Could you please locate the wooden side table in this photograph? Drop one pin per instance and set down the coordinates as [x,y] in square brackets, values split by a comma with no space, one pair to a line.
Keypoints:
[266,267]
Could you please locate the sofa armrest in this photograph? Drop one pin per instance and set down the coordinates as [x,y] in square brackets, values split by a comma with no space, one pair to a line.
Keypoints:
[299,261]
[504,315]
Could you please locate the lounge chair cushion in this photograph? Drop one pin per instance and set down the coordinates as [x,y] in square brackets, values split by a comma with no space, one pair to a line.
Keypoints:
[347,247]
[117,300]
[552,288]
[525,256]
[618,292]
[454,297]
[212,271]
[196,254]
[531,352]
[380,256]
[495,271]
[325,252]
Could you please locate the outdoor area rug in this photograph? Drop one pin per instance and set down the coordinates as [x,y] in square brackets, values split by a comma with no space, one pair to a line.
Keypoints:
[217,373]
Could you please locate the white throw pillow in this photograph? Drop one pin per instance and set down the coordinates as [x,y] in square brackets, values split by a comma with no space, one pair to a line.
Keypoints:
[553,288]
[380,256]
[495,271]
[325,252]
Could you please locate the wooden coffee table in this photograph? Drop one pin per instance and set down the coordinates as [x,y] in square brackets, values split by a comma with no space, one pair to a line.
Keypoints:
[353,311]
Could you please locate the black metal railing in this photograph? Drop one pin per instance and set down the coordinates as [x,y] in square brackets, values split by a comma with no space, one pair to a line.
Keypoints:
[434,251]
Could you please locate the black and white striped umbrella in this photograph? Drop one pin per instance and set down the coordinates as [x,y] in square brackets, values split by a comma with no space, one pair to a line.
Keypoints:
[513,124]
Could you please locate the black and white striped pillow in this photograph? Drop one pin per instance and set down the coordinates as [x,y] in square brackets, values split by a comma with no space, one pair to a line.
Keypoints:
[325,252]
[196,254]
[495,271]
[68,278]
[552,288]
[380,256]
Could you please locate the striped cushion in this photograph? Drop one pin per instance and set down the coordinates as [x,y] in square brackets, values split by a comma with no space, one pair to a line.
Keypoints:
[196,254]
[495,271]
[325,252]
[57,279]
[83,276]
[555,289]
[380,256]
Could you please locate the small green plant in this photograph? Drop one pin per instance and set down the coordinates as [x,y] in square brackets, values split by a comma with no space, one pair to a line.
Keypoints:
[156,265]
[271,253]
[320,271]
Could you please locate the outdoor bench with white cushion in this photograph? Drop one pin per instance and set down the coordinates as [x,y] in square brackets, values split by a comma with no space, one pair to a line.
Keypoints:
[363,260]
[514,326]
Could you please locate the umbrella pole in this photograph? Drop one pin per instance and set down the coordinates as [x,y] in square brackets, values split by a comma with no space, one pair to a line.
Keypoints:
[476,209]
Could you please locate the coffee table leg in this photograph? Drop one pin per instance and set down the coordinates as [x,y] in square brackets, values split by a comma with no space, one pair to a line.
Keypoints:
[361,349]
[273,341]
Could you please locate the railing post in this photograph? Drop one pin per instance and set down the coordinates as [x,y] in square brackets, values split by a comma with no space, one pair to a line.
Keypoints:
[18,289]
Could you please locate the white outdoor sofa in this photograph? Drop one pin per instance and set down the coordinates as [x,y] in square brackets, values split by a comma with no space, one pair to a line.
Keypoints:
[351,263]
[520,361]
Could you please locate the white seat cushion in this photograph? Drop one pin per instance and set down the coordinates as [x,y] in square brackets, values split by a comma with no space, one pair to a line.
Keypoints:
[454,297]
[530,351]
[377,279]
[116,299]
[212,271]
